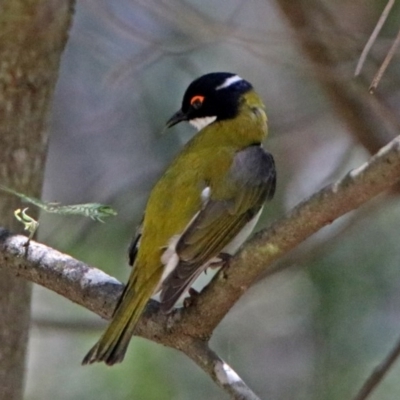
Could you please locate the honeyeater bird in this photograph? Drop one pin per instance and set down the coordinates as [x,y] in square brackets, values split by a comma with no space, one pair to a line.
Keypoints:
[203,207]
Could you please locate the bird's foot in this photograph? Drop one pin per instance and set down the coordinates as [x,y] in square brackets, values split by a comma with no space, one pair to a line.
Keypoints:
[221,261]
[193,295]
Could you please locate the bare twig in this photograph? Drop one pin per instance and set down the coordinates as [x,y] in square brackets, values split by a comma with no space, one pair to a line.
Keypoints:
[189,330]
[379,373]
[373,36]
[386,61]
[312,24]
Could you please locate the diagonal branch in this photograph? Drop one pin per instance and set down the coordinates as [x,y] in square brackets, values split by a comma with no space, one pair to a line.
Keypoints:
[256,257]
[219,371]
[188,330]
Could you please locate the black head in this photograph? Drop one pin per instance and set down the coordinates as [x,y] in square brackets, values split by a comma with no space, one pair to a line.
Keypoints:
[214,96]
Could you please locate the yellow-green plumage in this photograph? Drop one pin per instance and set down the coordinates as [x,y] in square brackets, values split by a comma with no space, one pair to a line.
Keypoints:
[205,161]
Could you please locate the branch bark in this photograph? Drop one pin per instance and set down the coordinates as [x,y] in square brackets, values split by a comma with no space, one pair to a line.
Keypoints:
[189,330]
[99,292]
[257,256]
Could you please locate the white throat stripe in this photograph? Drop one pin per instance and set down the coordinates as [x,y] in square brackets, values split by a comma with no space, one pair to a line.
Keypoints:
[229,81]
[200,123]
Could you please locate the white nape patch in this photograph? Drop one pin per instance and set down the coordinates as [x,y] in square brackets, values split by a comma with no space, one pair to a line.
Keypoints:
[225,374]
[229,81]
[205,195]
[96,277]
[200,123]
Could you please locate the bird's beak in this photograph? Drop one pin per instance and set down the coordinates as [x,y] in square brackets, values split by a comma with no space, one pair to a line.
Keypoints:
[175,119]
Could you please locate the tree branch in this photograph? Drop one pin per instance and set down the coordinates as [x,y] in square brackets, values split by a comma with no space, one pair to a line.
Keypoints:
[189,329]
[257,255]
[99,292]
[220,372]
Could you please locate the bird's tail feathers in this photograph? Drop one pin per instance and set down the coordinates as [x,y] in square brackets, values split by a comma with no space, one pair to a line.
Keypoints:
[112,345]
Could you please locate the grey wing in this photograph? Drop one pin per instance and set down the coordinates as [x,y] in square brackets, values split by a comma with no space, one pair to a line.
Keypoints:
[253,177]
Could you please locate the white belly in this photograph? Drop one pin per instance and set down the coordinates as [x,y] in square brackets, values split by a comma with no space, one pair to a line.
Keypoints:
[242,236]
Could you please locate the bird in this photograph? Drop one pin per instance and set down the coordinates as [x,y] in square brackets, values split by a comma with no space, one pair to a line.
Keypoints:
[203,207]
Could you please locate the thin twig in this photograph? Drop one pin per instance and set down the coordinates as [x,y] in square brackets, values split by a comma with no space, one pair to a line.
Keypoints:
[386,62]
[379,373]
[312,25]
[373,36]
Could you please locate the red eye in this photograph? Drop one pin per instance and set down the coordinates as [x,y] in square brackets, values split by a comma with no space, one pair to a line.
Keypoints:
[196,101]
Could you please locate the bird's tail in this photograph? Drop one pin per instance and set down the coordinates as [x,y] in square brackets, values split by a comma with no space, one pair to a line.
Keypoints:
[112,345]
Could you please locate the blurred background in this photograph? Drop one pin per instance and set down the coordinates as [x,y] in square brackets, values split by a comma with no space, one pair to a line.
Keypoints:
[317,328]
